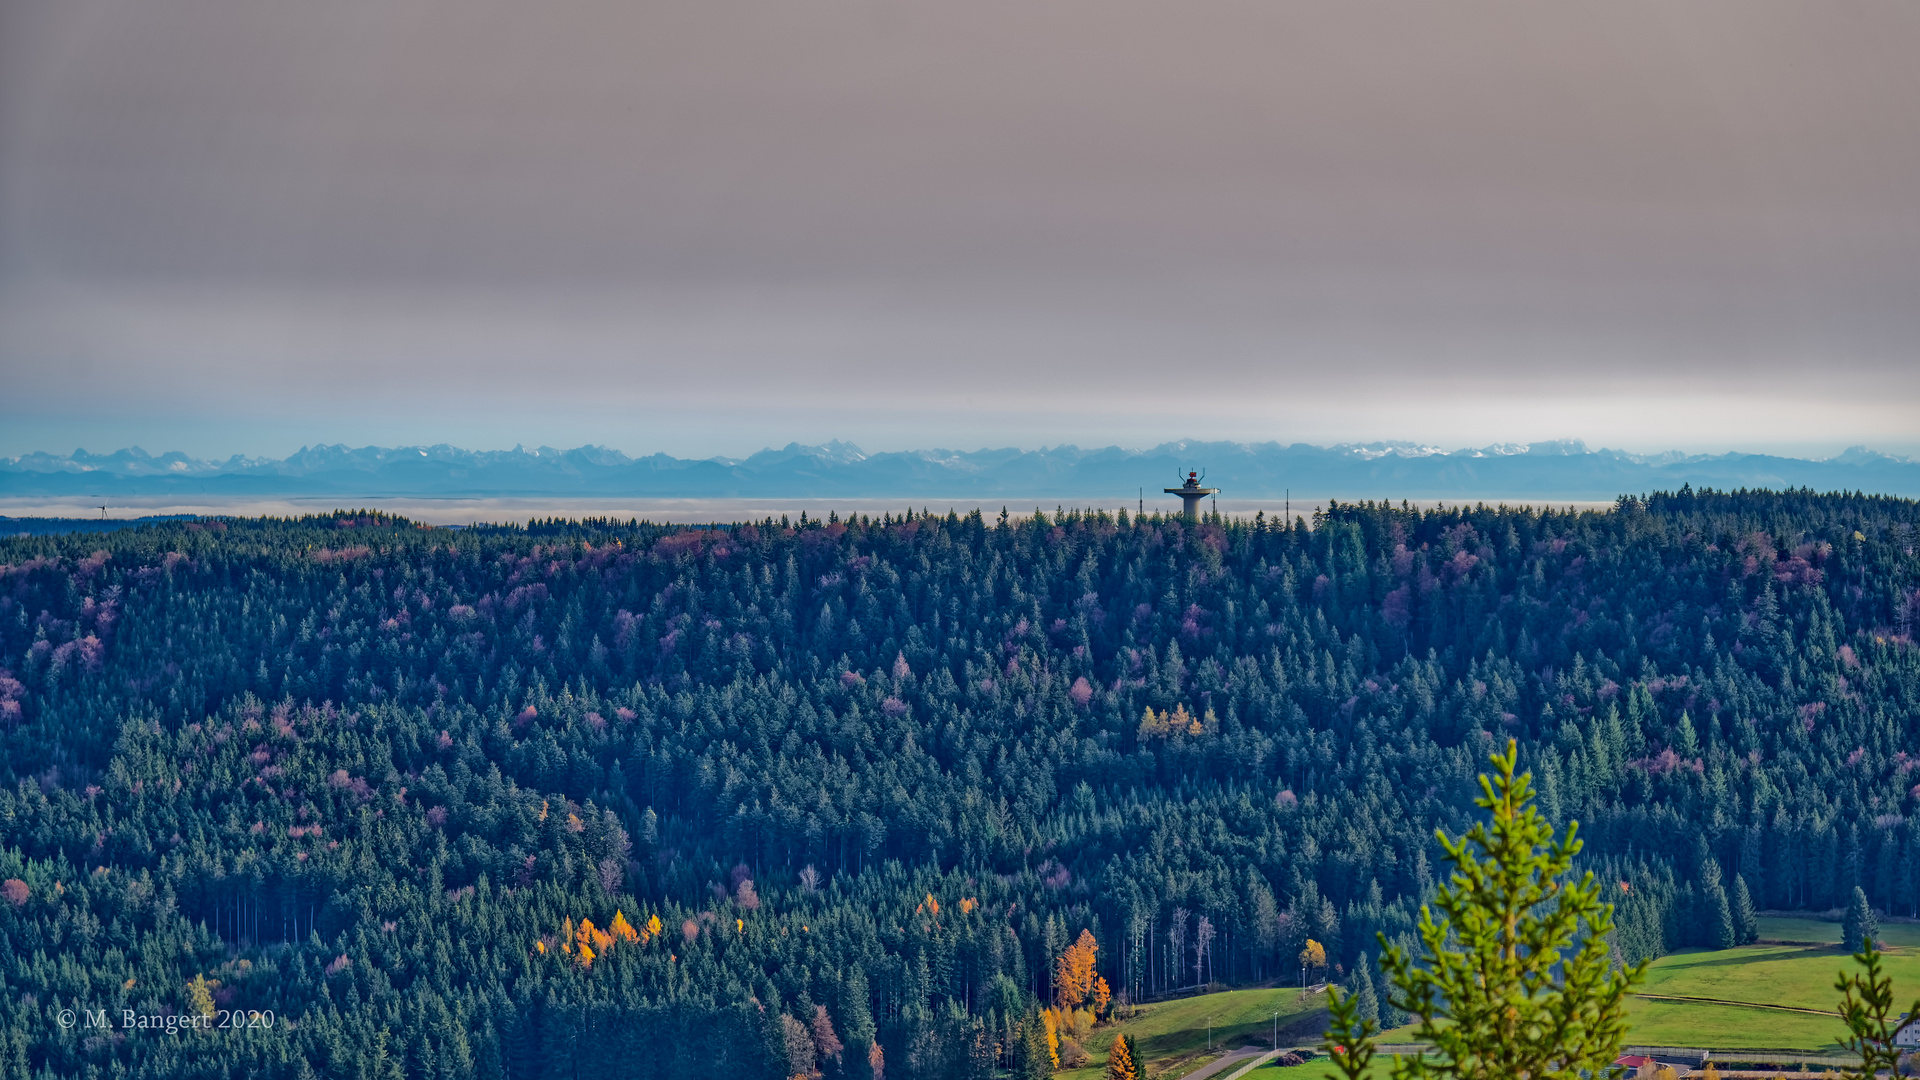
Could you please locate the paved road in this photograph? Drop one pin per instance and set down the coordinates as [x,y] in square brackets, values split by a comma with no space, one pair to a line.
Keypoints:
[1239,1056]
[1265,1056]
[1253,1063]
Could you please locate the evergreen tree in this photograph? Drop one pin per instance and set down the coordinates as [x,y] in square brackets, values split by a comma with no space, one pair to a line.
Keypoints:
[1723,933]
[393,781]
[1746,925]
[1391,1015]
[1360,985]
[1036,1057]
[1866,1007]
[1495,993]
[1859,923]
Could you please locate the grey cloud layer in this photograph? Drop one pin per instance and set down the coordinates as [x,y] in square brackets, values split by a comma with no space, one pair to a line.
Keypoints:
[939,204]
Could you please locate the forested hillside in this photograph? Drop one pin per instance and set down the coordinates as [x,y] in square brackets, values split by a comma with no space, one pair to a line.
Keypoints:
[597,799]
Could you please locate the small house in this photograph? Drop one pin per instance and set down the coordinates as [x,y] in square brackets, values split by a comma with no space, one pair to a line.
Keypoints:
[1635,1065]
[1907,1038]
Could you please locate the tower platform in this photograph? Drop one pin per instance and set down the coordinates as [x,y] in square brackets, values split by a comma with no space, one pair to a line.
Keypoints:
[1190,495]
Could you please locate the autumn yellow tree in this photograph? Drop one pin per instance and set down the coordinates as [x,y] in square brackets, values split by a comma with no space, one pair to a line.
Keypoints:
[1102,996]
[200,995]
[1073,971]
[590,941]
[1312,957]
[1120,1063]
[623,930]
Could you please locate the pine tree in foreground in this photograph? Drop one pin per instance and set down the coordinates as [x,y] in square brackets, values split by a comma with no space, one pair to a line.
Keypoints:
[1496,993]
[1866,1005]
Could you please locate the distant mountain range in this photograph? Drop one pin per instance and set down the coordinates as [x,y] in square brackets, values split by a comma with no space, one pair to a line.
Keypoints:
[1551,470]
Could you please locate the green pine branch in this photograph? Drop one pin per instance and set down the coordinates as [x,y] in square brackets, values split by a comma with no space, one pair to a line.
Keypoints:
[1516,980]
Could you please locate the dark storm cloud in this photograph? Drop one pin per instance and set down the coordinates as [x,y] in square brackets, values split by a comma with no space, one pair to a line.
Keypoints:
[1649,223]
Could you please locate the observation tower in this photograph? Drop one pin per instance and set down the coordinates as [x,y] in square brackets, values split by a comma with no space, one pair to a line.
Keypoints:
[1190,494]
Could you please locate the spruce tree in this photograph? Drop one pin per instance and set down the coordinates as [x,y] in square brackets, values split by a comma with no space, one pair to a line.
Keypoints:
[1860,923]
[1391,1015]
[1722,932]
[1036,1060]
[1744,922]
[1360,985]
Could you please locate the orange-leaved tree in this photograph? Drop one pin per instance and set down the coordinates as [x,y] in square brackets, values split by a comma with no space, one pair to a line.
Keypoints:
[1102,996]
[1073,971]
[586,942]
[1120,1063]
[622,930]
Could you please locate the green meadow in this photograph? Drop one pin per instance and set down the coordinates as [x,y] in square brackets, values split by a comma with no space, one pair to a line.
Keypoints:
[1777,994]
[1316,1070]
[1774,995]
[1172,1035]
[1813,930]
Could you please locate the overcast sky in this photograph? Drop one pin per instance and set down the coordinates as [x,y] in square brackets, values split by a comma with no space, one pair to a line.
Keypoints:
[706,226]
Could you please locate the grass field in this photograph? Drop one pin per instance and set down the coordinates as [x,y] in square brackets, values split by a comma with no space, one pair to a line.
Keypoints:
[1316,1070]
[1796,976]
[1689,1023]
[1789,969]
[1734,981]
[1807,928]
[1173,1034]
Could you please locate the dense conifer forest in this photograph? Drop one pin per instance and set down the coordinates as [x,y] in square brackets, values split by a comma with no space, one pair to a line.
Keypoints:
[589,799]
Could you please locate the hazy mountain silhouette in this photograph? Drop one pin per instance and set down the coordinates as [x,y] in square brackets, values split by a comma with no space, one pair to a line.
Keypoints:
[1562,469]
